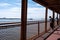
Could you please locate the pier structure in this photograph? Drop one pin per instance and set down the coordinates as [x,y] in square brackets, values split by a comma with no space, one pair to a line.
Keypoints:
[48,33]
[53,5]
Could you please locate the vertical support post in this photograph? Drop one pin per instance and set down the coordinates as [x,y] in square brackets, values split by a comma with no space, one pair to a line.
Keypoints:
[53,17]
[46,19]
[38,28]
[57,18]
[23,19]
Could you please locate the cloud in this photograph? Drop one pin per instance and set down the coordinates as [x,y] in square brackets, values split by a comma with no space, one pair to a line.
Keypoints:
[18,4]
[14,12]
[39,5]
[4,4]
[36,10]
[15,9]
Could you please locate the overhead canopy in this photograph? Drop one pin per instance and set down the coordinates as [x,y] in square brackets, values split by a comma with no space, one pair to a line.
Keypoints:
[51,4]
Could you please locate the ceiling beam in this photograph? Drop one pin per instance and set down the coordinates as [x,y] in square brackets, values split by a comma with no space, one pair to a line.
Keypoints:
[51,4]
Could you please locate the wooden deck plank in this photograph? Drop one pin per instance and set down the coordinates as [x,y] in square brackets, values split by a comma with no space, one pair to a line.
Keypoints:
[55,35]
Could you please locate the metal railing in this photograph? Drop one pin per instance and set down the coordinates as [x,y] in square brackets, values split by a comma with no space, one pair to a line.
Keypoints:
[40,25]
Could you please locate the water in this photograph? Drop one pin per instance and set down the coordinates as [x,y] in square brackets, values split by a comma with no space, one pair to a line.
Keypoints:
[14,33]
[3,20]
[9,20]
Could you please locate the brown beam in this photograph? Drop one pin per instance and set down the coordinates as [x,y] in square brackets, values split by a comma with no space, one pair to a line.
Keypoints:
[38,28]
[53,16]
[53,5]
[57,18]
[46,20]
[45,4]
[41,2]
[23,19]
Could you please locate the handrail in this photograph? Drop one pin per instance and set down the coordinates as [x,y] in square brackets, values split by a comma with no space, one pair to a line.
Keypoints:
[31,23]
[39,34]
[16,24]
[9,22]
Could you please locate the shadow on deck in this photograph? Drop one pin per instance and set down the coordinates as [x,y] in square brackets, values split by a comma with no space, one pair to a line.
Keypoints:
[51,35]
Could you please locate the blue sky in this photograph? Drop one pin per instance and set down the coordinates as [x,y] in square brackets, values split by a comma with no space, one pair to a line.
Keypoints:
[12,9]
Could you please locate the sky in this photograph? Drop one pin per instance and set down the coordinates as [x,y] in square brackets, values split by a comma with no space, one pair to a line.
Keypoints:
[12,9]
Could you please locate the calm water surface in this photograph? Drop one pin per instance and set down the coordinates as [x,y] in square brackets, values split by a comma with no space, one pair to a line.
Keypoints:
[14,33]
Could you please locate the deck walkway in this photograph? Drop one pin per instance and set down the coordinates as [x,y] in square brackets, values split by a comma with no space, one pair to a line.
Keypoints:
[51,35]
[55,35]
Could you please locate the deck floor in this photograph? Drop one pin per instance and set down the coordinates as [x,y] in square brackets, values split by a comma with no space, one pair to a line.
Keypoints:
[54,36]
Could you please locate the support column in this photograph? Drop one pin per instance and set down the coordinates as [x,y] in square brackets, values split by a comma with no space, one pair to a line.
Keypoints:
[53,17]
[57,18]
[23,19]
[38,28]
[46,20]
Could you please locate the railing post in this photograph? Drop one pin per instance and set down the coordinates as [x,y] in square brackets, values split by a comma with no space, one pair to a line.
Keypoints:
[46,19]
[57,18]
[38,28]
[23,19]
[53,17]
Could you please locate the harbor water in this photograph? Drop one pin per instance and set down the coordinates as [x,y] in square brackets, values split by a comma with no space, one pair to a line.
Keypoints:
[15,32]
